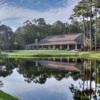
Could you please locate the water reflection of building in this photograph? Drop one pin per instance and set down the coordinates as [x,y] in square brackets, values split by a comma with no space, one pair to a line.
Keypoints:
[71,67]
[67,64]
[38,70]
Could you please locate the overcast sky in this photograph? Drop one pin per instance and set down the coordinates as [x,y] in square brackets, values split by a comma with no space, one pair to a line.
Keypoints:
[14,12]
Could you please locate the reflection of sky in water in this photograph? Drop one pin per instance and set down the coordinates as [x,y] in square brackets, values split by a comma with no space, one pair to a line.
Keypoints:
[52,89]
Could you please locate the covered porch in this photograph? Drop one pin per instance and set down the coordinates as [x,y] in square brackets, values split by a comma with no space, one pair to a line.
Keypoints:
[56,46]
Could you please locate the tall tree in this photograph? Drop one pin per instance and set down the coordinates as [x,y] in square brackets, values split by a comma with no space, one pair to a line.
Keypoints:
[96,11]
[6,37]
[80,11]
[85,9]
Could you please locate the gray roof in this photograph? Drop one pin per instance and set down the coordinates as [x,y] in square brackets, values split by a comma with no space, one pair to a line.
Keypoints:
[60,65]
[62,39]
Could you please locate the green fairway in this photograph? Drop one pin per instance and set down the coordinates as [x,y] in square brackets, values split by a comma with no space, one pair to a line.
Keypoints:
[5,96]
[51,53]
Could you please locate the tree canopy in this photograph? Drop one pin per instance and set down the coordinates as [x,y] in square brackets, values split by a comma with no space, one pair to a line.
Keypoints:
[38,29]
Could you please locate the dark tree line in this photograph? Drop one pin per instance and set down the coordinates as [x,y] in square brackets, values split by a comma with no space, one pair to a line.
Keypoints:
[38,29]
[35,29]
[6,37]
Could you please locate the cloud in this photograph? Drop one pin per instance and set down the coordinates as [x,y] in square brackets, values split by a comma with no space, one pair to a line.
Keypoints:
[15,16]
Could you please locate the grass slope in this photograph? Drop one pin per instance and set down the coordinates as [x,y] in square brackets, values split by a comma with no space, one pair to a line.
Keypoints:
[5,96]
[51,53]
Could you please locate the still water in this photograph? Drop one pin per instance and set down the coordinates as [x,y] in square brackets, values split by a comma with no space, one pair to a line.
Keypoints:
[51,78]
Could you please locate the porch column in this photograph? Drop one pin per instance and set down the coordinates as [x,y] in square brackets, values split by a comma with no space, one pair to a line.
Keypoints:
[41,46]
[75,46]
[60,59]
[61,47]
[54,47]
[67,46]
[49,47]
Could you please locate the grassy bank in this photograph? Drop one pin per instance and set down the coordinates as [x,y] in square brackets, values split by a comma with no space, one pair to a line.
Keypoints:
[5,96]
[51,53]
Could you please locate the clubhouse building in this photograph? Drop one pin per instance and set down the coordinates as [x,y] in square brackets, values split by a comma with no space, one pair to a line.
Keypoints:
[68,41]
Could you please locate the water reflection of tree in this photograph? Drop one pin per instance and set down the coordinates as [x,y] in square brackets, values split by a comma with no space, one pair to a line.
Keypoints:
[31,72]
[6,67]
[40,73]
[1,84]
[90,74]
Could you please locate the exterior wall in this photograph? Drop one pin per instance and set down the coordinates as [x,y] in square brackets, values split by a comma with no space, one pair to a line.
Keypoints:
[60,47]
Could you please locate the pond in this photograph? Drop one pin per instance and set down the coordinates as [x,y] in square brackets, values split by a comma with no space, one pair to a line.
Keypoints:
[51,78]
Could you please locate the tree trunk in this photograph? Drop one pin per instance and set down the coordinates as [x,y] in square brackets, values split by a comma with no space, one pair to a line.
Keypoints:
[84,29]
[96,34]
[91,33]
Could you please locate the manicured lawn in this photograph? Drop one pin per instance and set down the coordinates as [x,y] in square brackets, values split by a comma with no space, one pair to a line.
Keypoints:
[51,53]
[5,96]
